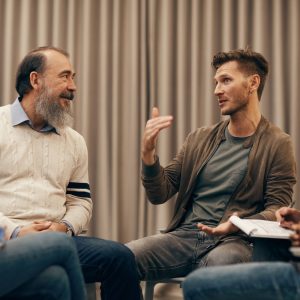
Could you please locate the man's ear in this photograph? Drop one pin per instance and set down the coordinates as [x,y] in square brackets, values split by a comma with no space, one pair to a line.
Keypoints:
[254,82]
[34,80]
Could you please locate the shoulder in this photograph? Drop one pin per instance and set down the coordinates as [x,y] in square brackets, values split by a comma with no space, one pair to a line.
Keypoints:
[5,115]
[74,140]
[274,133]
[72,135]
[274,141]
[5,109]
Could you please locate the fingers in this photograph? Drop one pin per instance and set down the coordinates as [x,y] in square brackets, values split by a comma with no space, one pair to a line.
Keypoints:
[158,121]
[286,224]
[154,126]
[38,226]
[152,129]
[155,112]
[278,215]
[287,214]
[283,211]
[34,227]
[296,227]
[205,228]
[295,238]
[41,227]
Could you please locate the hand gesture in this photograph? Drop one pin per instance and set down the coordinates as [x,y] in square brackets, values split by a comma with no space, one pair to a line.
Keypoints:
[288,216]
[34,228]
[221,229]
[62,227]
[152,129]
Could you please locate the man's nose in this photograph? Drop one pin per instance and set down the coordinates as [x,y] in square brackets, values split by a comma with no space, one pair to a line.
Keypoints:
[72,85]
[218,90]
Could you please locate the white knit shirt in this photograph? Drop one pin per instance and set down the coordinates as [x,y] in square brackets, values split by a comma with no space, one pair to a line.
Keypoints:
[43,176]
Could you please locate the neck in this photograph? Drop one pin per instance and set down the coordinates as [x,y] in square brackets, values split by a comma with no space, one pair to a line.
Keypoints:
[28,105]
[244,123]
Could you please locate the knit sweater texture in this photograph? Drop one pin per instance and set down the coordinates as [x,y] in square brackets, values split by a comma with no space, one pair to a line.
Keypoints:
[43,176]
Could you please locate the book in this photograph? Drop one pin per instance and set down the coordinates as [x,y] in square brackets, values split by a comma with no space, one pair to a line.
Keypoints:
[261,228]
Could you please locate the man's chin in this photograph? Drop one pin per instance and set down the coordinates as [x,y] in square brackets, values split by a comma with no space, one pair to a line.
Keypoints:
[225,112]
[65,103]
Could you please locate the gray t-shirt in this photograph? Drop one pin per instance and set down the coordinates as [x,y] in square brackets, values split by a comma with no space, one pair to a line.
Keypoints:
[216,182]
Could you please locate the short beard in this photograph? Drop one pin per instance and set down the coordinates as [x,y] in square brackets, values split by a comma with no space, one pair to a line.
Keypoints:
[52,112]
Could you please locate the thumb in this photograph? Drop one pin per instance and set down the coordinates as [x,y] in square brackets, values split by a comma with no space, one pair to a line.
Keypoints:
[155,112]
[43,225]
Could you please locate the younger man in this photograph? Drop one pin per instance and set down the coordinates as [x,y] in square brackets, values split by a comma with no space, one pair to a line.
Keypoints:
[243,164]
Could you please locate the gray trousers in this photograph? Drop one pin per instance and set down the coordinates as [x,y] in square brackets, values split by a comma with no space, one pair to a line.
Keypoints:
[177,253]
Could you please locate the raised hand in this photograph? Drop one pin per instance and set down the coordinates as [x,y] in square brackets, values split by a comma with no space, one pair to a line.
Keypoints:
[152,129]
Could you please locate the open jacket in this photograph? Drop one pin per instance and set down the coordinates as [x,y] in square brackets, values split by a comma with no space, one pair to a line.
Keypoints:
[267,185]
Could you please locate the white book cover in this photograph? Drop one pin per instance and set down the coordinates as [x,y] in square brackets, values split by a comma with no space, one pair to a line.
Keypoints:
[261,228]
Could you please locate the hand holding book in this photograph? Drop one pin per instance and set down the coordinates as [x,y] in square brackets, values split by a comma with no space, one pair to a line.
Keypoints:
[288,217]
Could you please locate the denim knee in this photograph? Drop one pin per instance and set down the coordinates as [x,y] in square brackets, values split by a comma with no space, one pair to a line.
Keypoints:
[61,239]
[53,284]
[188,285]
[228,253]
[121,253]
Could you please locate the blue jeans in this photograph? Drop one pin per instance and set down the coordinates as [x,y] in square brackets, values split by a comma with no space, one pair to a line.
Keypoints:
[259,281]
[110,263]
[41,266]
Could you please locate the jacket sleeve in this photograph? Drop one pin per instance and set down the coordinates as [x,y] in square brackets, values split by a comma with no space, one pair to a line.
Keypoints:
[78,196]
[280,180]
[162,183]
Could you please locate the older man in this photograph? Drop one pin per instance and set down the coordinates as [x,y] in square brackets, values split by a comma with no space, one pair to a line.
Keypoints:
[44,182]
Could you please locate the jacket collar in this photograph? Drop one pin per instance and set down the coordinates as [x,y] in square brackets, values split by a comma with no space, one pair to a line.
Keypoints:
[262,125]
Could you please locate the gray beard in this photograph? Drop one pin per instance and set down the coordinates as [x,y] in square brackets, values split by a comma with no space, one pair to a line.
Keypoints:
[47,106]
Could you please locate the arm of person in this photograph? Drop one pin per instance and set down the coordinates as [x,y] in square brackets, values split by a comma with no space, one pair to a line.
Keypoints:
[160,183]
[78,196]
[280,181]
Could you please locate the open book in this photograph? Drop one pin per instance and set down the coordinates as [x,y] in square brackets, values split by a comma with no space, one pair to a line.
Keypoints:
[261,228]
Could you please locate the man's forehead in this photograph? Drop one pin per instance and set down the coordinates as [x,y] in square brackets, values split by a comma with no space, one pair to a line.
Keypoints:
[227,68]
[58,61]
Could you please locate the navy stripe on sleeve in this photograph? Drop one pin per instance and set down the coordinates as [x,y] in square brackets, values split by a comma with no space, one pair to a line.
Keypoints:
[79,189]
[80,194]
[78,185]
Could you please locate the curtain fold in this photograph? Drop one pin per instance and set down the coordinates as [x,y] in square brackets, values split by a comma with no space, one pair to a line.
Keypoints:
[131,55]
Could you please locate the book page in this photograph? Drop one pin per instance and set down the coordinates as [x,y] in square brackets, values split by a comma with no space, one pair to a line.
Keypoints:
[247,227]
[261,228]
